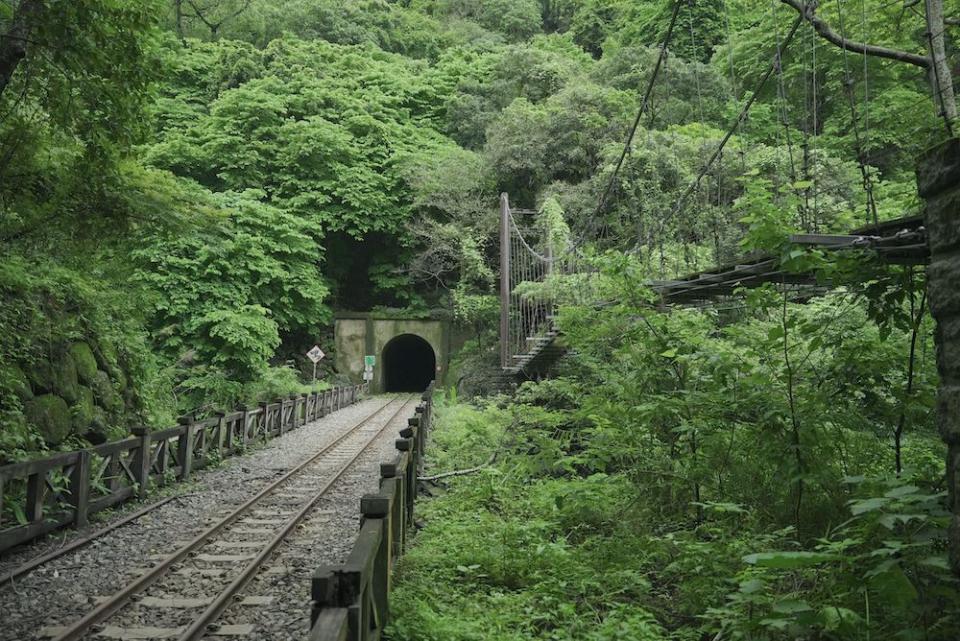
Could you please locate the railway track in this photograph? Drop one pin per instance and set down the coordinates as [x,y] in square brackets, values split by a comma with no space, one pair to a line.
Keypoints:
[185,592]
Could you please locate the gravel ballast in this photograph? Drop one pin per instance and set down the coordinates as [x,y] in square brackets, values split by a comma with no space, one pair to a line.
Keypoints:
[277,600]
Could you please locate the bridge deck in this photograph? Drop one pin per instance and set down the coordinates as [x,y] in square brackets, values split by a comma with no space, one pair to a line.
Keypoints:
[901,241]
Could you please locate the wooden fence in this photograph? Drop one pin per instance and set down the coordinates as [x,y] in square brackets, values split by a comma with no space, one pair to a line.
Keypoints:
[351,601]
[65,489]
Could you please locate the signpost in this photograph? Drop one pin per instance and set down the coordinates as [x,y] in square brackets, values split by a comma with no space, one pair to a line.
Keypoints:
[368,364]
[316,355]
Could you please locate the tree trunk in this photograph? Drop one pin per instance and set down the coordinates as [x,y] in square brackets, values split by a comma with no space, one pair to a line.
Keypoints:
[941,77]
[13,44]
[178,7]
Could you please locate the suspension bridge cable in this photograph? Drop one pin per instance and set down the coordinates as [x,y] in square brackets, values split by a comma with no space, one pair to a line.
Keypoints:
[861,155]
[643,108]
[736,123]
[591,227]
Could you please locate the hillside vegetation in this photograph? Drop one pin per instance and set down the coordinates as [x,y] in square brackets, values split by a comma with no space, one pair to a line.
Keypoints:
[190,188]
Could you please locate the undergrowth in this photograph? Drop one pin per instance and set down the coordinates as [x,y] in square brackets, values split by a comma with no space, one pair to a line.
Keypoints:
[532,548]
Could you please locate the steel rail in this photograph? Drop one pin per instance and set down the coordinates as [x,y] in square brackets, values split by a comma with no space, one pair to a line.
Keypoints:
[43,559]
[117,601]
[200,625]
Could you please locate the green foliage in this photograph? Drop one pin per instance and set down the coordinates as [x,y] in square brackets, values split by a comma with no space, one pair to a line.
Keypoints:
[680,452]
[63,341]
[183,208]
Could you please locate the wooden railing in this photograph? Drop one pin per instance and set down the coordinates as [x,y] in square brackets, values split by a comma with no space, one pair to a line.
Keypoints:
[65,489]
[351,601]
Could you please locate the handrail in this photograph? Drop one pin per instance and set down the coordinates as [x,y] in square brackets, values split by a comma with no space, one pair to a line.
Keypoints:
[351,600]
[64,489]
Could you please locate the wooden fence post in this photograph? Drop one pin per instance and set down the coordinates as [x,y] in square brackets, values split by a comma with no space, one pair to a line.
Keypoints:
[141,460]
[222,428]
[36,492]
[265,420]
[406,445]
[377,507]
[80,488]
[283,407]
[185,447]
[295,418]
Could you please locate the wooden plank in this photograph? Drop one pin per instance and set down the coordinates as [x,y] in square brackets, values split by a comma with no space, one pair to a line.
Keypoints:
[36,493]
[106,502]
[22,533]
[115,447]
[80,489]
[27,468]
[331,625]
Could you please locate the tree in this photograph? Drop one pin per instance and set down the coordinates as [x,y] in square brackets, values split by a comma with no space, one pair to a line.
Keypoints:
[936,65]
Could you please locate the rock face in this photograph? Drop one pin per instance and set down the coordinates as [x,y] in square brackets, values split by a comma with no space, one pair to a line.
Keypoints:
[78,388]
[938,179]
[51,416]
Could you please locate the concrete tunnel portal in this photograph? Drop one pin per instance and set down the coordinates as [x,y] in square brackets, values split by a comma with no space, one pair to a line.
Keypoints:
[409,364]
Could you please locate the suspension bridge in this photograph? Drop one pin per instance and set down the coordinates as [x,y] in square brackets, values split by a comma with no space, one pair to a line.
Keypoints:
[528,304]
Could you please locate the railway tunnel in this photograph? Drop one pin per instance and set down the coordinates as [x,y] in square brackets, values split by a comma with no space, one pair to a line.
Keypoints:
[409,364]
[407,350]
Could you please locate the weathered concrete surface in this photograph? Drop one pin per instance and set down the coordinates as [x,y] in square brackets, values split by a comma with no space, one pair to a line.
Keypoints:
[357,334]
[938,179]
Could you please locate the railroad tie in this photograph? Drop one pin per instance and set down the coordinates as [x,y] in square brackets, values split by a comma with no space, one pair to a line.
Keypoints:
[224,558]
[238,545]
[135,634]
[199,572]
[233,630]
[251,532]
[174,602]
[276,522]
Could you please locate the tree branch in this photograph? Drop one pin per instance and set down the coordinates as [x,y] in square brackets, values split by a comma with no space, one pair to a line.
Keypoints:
[808,11]
[472,470]
[214,27]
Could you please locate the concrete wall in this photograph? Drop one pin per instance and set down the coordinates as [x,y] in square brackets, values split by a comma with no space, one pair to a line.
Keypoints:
[359,334]
[938,179]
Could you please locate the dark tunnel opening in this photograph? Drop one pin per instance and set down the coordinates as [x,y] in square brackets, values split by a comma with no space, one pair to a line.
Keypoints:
[409,364]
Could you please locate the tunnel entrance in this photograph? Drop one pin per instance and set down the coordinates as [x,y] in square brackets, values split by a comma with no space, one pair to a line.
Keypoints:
[409,364]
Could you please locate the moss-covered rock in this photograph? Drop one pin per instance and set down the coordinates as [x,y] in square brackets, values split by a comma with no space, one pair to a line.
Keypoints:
[17,381]
[65,380]
[85,362]
[100,422]
[107,358]
[57,376]
[50,415]
[104,393]
[82,412]
[100,430]
[40,375]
